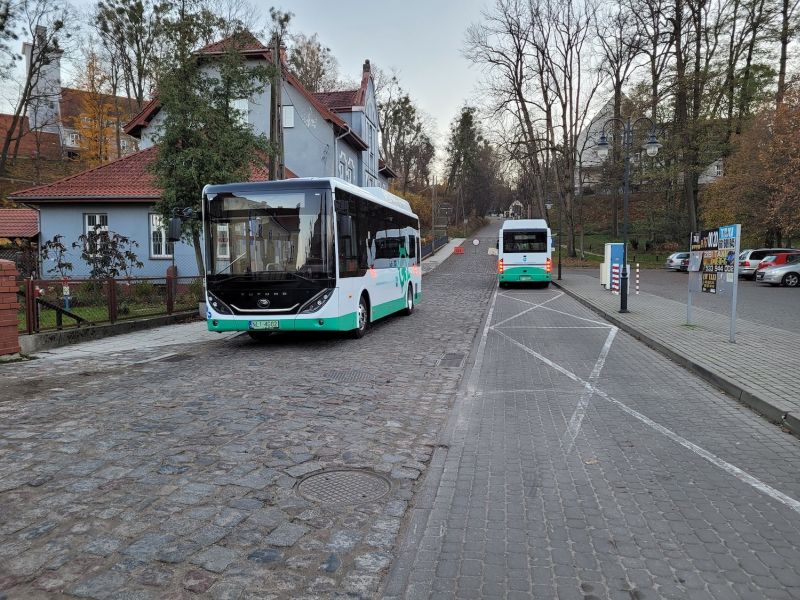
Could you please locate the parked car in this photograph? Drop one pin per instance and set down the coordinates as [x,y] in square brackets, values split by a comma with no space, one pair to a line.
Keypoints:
[787,274]
[749,259]
[674,261]
[684,266]
[774,260]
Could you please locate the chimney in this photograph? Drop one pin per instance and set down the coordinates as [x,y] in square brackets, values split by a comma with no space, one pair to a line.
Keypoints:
[366,66]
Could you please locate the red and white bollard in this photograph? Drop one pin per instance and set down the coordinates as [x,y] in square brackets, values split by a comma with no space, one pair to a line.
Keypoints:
[615,279]
[637,279]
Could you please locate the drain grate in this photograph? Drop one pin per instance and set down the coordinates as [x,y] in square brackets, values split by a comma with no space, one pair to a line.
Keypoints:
[348,375]
[346,486]
[452,360]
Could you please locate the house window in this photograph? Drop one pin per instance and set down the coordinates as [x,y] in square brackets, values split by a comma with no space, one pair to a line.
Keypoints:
[223,241]
[94,223]
[123,144]
[288,116]
[350,174]
[341,169]
[242,108]
[159,246]
[73,139]
[718,169]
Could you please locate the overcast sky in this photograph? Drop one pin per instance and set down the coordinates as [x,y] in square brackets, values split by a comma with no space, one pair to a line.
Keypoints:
[422,39]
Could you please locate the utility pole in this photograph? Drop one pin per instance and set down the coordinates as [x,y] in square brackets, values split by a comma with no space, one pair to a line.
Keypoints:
[276,166]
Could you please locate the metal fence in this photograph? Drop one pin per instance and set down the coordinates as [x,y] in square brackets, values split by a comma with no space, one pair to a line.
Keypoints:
[47,304]
[431,247]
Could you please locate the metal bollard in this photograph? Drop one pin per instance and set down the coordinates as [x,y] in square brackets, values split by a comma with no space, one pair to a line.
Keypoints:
[637,279]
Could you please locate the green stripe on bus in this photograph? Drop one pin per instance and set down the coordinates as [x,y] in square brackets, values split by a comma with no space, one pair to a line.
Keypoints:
[387,308]
[512,274]
[343,323]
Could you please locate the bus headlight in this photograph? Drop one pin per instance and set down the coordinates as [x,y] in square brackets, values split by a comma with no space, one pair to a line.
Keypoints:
[317,302]
[218,305]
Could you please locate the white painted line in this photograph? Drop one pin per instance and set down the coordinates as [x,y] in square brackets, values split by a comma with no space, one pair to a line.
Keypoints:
[489,393]
[476,368]
[575,422]
[554,326]
[713,459]
[527,310]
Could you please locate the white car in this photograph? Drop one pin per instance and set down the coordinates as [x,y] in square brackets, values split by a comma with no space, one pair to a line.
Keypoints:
[674,261]
[787,274]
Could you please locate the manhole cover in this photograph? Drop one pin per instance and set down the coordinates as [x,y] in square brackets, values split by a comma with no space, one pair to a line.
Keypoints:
[348,375]
[343,487]
[451,359]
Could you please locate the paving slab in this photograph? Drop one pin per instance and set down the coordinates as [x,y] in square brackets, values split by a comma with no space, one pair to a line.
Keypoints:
[759,370]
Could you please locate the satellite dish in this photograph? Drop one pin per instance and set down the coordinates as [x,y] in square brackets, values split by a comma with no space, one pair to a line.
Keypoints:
[475,242]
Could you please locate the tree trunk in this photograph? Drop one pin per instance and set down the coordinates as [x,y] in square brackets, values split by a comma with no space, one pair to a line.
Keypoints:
[784,41]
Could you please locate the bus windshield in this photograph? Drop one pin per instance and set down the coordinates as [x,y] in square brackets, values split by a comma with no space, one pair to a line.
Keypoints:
[274,234]
[524,241]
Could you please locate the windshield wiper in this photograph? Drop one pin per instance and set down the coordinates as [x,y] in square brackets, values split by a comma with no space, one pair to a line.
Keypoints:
[304,278]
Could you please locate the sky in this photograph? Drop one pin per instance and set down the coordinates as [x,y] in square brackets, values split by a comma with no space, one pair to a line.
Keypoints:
[422,39]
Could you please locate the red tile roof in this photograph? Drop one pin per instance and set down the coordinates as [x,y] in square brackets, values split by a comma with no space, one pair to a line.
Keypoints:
[18,222]
[243,41]
[343,100]
[71,105]
[32,144]
[125,179]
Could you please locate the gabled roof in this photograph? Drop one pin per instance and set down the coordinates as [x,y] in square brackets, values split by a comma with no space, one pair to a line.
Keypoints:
[32,144]
[18,222]
[338,101]
[127,179]
[71,104]
[243,41]
[255,50]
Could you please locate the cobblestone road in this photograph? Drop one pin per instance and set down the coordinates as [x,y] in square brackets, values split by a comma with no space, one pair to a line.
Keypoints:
[170,472]
[578,464]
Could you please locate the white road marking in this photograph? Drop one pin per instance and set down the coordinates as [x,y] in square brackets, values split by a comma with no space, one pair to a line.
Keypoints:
[741,475]
[527,310]
[575,422]
[555,326]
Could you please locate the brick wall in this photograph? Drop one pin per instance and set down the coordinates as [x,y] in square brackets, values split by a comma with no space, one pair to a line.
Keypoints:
[9,337]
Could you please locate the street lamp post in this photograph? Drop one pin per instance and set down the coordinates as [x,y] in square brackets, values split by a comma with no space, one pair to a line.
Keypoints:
[652,146]
[548,206]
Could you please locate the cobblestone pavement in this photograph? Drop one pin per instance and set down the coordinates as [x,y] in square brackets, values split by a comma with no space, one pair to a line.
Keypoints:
[579,464]
[172,471]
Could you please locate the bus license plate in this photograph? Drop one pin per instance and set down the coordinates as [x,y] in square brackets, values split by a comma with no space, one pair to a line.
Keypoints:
[524,277]
[264,325]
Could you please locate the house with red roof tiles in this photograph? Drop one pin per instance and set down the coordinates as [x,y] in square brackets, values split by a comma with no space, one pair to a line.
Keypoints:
[325,135]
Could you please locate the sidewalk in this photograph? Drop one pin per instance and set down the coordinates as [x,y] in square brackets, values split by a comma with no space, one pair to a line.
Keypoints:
[759,370]
[438,257]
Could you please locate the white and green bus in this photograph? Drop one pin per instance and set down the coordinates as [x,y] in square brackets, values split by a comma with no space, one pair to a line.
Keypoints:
[315,254]
[524,251]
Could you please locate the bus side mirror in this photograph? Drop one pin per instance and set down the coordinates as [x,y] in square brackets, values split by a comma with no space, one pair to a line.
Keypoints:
[174,229]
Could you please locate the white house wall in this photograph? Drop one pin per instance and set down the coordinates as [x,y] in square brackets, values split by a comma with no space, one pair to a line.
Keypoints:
[309,145]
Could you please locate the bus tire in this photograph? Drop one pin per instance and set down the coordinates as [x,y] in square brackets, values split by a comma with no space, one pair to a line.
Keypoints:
[409,309]
[362,318]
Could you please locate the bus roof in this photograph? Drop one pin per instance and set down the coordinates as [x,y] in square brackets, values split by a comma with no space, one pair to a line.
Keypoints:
[525,224]
[377,195]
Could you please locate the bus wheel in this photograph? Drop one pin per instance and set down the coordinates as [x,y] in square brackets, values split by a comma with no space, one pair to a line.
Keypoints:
[409,301]
[362,316]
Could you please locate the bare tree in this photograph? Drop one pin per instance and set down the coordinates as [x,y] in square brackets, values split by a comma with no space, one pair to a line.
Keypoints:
[44,25]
